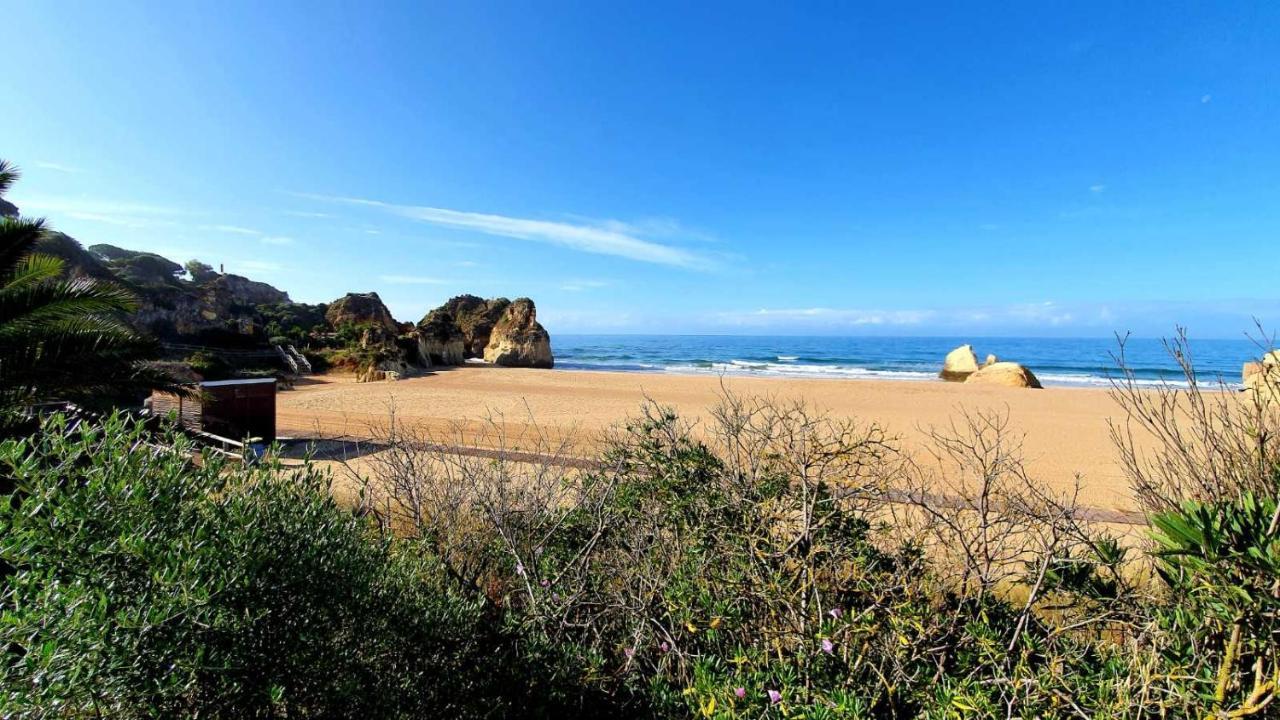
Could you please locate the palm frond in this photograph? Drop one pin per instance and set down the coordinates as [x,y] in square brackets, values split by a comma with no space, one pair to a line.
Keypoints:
[18,238]
[9,174]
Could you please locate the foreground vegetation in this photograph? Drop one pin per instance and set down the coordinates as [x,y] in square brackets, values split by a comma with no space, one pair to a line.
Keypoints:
[777,564]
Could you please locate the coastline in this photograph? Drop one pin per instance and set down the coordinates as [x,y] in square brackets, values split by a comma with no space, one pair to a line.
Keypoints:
[1064,431]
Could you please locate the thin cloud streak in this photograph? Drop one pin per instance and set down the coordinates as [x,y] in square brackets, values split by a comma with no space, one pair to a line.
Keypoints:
[410,280]
[58,167]
[600,239]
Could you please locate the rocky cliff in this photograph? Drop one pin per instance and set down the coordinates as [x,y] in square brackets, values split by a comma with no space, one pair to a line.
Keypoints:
[362,309]
[440,340]
[475,317]
[194,305]
[518,340]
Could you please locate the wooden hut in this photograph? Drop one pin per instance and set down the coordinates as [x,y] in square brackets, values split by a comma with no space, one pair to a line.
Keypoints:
[235,409]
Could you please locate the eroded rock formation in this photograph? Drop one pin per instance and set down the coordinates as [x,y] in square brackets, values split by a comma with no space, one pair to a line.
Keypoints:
[362,309]
[440,340]
[1263,378]
[475,317]
[959,364]
[1008,374]
[518,340]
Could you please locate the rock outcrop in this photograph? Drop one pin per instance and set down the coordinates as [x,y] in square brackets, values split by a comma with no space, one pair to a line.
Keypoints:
[1263,378]
[991,360]
[1008,374]
[475,317]
[362,309]
[959,364]
[8,209]
[518,340]
[440,340]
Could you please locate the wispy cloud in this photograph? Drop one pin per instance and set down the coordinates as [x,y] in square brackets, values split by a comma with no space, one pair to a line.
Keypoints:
[826,317]
[110,212]
[467,263]
[411,280]
[275,240]
[580,285]
[1096,189]
[1205,99]
[233,229]
[305,214]
[601,238]
[57,167]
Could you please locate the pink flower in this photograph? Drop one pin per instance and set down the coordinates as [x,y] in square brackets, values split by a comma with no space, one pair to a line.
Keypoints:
[835,613]
[629,652]
[546,583]
[775,697]
[827,647]
[520,569]
[664,646]
[739,692]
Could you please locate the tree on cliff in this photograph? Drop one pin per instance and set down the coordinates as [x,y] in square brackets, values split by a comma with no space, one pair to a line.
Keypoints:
[61,337]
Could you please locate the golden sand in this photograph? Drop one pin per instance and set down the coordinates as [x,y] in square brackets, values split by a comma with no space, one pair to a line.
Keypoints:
[1065,429]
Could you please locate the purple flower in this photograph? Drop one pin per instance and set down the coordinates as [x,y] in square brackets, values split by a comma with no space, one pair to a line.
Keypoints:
[629,652]
[664,646]
[520,569]
[775,697]
[827,647]
[546,583]
[555,597]
[739,692]
[835,613]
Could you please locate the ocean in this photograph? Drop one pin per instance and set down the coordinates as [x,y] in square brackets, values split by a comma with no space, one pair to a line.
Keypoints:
[1055,361]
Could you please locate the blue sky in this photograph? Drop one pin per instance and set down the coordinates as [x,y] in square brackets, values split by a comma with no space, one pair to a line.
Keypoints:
[1046,168]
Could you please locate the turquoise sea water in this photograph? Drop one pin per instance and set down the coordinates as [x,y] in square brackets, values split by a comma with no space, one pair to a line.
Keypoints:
[1056,361]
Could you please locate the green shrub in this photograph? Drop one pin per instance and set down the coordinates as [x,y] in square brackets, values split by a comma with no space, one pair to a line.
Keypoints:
[210,366]
[142,584]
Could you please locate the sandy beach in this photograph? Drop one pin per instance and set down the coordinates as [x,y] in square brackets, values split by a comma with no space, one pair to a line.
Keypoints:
[1065,429]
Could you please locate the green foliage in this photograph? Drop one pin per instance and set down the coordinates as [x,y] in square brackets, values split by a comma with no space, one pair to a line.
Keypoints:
[200,272]
[61,337]
[210,366]
[1221,560]
[143,584]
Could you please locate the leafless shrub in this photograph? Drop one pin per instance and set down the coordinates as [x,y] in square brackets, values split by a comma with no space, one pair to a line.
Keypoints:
[1193,439]
[969,501]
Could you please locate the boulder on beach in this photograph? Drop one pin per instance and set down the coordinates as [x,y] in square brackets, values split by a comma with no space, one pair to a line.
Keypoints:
[991,360]
[440,340]
[1263,378]
[1008,374]
[518,340]
[959,364]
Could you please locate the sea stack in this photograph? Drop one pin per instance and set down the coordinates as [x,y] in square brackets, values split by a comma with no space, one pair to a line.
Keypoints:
[518,340]
[440,340]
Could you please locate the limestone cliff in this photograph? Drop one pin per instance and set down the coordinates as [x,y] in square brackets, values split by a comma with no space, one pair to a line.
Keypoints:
[518,340]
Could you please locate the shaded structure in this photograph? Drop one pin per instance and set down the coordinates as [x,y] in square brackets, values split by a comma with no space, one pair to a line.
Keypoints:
[234,409]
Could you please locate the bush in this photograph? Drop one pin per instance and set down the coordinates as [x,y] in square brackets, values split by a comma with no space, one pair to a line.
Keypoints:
[210,366]
[142,584]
